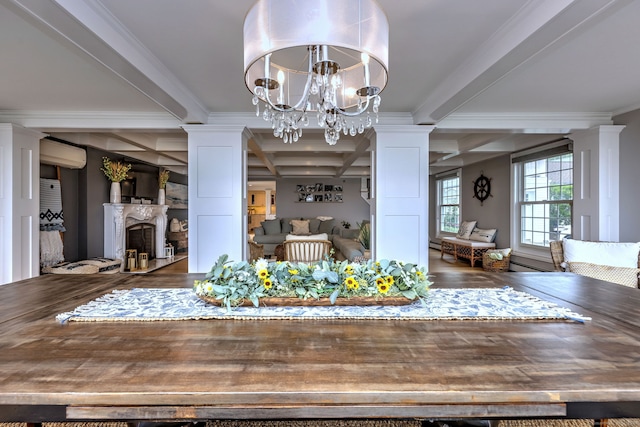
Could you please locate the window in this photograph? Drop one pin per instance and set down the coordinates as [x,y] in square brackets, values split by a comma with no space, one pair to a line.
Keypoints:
[544,196]
[448,203]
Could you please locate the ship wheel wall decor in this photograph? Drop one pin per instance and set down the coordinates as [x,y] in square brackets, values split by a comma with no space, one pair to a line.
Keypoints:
[482,188]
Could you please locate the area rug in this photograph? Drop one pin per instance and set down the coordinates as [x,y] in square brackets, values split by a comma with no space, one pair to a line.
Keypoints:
[150,304]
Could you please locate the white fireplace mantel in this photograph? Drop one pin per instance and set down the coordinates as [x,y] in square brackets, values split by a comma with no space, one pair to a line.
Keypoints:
[119,216]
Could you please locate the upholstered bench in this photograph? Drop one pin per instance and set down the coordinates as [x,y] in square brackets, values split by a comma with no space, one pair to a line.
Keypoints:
[464,248]
[470,242]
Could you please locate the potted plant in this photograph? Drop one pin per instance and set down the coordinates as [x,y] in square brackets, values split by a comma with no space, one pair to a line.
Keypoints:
[364,237]
[163,177]
[116,172]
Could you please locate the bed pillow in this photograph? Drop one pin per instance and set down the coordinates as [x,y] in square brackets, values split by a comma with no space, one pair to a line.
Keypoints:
[300,226]
[465,229]
[271,226]
[615,254]
[620,275]
[483,235]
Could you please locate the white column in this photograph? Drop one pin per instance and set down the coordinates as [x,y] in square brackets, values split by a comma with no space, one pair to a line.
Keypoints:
[19,203]
[596,184]
[400,193]
[217,194]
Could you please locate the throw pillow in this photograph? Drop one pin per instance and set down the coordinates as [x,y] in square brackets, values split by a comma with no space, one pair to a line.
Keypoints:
[326,226]
[615,254]
[300,226]
[465,229]
[620,275]
[321,236]
[271,226]
[286,225]
[314,225]
[483,235]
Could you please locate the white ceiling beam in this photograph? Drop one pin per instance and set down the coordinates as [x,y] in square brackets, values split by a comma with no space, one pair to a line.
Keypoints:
[90,27]
[536,27]
[264,158]
[361,148]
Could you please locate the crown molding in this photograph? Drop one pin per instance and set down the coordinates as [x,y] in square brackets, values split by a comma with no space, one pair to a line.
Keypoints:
[252,121]
[525,122]
[90,121]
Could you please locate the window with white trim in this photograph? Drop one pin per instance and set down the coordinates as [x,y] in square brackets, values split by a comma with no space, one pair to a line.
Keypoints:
[448,202]
[544,196]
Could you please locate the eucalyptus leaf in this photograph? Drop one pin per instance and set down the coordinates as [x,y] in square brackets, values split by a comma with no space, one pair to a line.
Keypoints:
[334,296]
[410,294]
[329,276]
[219,289]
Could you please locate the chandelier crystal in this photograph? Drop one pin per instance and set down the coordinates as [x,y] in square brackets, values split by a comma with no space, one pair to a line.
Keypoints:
[327,58]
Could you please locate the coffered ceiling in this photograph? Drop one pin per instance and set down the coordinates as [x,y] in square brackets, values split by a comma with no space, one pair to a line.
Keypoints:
[493,76]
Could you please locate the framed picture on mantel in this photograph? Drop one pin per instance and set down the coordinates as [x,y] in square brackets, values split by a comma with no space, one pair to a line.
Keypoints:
[177,196]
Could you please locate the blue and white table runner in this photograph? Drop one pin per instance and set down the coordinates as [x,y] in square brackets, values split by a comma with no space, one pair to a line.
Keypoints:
[150,304]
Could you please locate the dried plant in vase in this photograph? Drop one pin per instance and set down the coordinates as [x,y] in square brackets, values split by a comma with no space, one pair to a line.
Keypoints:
[115,171]
[163,177]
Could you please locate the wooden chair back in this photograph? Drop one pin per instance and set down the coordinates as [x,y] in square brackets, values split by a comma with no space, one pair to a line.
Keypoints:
[307,251]
[256,251]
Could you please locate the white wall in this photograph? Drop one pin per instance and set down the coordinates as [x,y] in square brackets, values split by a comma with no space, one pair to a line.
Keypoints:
[400,193]
[19,203]
[217,194]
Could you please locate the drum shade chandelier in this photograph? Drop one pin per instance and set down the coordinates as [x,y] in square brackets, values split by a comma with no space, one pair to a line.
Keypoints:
[324,57]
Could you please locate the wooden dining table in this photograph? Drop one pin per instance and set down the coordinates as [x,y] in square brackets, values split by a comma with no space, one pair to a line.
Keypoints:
[318,369]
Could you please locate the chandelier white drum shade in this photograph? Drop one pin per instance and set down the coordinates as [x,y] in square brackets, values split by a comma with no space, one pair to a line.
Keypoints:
[328,58]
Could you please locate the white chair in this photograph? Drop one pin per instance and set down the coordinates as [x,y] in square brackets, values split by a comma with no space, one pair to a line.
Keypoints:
[306,251]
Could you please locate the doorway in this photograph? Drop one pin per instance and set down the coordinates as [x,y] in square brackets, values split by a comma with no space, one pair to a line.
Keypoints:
[261,203]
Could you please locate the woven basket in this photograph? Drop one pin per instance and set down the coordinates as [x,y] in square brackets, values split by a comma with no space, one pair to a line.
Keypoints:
[495,265]
[299,302]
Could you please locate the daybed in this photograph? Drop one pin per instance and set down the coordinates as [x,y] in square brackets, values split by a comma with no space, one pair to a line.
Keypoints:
[615,262]
[470,243]
[273,232]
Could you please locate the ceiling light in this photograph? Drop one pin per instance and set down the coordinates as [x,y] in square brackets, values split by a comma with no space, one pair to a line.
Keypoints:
[327,58]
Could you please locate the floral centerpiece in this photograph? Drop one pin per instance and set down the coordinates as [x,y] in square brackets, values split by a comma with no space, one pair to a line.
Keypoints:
[115,171]
[233,283]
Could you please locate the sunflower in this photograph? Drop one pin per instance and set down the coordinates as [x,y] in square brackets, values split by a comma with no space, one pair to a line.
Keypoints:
[293,272]
[383,287]
[351,283]
[348,270]
[267,283]
[263,274]
[389,280]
